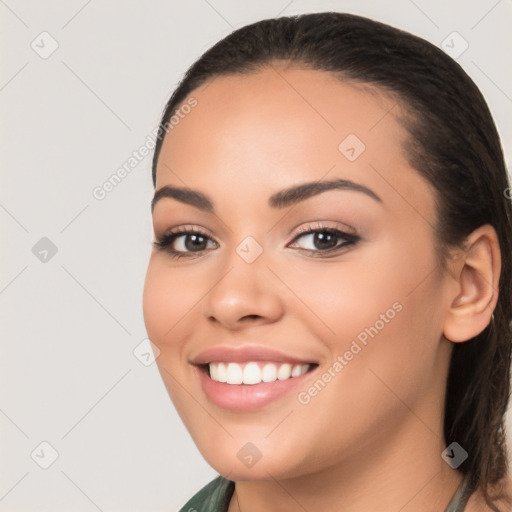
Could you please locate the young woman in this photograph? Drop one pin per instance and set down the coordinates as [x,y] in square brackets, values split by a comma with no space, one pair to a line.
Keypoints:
[330,287]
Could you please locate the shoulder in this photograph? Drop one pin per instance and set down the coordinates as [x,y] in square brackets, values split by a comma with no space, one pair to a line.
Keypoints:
[213,497]
[503,492]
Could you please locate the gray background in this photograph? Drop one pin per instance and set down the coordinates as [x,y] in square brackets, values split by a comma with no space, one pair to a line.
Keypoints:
[70,323]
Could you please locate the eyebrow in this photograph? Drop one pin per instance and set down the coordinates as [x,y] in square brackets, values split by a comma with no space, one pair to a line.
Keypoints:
[279,200]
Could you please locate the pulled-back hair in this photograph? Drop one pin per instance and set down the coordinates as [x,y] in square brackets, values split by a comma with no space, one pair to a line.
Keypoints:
[453,143]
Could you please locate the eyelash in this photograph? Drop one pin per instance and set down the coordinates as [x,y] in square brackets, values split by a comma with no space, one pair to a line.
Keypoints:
[168,239]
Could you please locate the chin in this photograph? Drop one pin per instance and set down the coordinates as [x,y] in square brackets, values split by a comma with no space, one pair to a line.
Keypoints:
[247,462]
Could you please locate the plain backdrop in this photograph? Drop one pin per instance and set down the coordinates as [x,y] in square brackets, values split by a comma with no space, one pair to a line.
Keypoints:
[82,86]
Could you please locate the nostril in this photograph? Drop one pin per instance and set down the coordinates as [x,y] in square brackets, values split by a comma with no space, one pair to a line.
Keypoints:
[251,316]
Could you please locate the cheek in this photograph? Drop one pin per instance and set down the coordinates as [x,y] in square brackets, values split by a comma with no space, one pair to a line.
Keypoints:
[397,301]
[383,354]
[155,303]
[379,311]
[163,306]
[167,298]
[339,299]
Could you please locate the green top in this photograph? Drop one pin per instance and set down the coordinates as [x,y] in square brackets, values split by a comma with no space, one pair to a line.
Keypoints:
[215,497]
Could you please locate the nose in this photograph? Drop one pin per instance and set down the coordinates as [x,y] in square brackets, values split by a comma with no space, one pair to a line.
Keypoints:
[244,294]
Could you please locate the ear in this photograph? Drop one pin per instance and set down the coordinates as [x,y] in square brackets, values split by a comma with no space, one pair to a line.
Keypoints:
[475,291]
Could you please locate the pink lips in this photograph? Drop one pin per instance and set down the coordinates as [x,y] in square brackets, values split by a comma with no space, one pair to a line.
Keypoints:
[244,397]
[245,354]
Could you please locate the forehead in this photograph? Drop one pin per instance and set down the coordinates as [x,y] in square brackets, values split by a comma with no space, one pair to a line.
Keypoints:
[286,108]
[279,126]
[276,95]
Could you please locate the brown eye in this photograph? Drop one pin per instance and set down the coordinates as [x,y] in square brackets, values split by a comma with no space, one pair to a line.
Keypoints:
[323,240]
[181,243]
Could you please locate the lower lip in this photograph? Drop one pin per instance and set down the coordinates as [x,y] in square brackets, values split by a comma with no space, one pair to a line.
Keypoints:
[247,397]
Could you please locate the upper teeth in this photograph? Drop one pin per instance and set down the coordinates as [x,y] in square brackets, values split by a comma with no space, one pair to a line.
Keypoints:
[254,373]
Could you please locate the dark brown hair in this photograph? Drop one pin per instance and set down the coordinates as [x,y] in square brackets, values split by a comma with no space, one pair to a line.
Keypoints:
[453,143]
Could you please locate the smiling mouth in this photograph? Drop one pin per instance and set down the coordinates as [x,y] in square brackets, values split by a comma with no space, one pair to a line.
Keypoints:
[254,372]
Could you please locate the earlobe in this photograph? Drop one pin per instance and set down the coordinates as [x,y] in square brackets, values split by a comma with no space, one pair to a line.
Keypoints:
[476,292]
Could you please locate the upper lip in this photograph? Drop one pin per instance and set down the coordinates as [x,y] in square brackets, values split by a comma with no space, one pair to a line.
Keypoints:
[245,354]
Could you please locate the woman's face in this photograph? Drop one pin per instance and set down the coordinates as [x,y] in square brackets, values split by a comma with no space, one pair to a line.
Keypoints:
[357,306]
